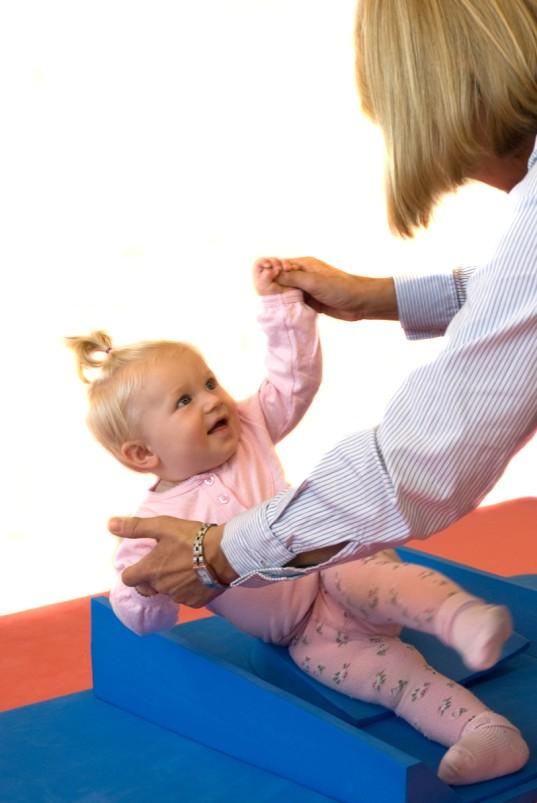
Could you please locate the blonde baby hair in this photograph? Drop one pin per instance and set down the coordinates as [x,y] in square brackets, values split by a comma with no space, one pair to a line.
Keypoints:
[446,81]
[113,415]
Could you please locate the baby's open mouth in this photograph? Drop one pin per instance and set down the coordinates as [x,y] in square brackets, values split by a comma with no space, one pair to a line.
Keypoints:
[220,424]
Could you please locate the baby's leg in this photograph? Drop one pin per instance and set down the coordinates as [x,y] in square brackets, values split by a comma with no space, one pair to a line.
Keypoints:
[384,670]
[381,591]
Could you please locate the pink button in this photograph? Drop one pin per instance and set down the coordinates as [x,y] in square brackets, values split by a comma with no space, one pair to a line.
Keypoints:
[223,499]
[209,480]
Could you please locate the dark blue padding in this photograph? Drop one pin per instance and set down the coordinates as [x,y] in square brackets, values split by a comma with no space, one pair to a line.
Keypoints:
[77,749]
[275,665]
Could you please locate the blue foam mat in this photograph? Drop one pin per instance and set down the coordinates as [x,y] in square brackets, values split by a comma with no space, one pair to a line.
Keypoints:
[234,710]
[79,749]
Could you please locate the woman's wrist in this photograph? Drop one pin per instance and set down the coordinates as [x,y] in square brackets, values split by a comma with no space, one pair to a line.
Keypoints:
[215,558]
[378,299]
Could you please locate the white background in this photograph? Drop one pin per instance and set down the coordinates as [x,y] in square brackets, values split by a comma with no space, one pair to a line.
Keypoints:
[149,152]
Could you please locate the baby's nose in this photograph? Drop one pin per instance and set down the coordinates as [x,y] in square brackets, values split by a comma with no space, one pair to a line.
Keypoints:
[210,401]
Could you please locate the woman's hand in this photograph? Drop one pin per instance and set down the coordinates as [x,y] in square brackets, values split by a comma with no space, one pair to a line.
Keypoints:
[339,294]
[167,569]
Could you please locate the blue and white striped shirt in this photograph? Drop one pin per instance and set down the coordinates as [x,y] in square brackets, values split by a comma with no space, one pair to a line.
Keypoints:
[446,437]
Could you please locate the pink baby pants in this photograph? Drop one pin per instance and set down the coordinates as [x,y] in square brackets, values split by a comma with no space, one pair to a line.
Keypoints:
[351,641]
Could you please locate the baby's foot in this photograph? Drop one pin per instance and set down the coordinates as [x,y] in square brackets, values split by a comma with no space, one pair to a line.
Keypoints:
[479,632]
[489,747]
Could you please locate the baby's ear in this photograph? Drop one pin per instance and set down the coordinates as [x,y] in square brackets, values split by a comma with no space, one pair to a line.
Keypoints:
[136,455]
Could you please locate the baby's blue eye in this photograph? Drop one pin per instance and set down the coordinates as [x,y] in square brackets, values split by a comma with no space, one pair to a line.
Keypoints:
[211,383]
[183,401]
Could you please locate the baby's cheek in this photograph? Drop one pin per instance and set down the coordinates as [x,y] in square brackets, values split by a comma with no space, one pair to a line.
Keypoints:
[237,426]
[232,408]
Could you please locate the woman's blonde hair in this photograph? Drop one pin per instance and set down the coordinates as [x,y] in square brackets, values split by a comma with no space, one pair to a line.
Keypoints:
[113,415]
[446,80]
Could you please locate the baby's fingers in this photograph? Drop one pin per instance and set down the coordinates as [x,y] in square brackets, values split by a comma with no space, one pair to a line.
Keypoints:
[269,263]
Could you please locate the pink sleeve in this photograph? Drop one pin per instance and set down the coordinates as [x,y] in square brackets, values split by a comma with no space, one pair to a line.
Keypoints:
[141,614]
[293,362]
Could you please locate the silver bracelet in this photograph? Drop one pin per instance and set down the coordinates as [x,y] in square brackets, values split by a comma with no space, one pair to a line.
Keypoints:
[205,576]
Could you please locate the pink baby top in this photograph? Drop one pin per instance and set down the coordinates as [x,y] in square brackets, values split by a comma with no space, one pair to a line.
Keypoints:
[254,473]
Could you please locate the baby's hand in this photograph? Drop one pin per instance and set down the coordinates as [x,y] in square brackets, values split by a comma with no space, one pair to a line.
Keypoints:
[266,272]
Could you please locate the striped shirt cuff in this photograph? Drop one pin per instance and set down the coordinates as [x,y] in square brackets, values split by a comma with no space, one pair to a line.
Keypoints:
[268,553]
[268,570]
[426,304]
[462,276]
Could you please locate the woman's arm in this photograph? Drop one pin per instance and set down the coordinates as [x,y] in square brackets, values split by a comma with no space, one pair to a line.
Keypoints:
[337,293]
[424,304]
[445,440]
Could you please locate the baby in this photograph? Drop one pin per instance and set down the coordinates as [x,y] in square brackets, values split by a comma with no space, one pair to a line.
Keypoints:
[159,409]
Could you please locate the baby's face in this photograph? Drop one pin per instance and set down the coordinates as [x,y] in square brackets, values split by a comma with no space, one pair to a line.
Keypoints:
[187,419]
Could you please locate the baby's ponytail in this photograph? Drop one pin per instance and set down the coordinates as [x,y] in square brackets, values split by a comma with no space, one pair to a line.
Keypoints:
[91,351]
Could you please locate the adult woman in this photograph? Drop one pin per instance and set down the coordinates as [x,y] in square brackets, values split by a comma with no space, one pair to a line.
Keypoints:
[454,91]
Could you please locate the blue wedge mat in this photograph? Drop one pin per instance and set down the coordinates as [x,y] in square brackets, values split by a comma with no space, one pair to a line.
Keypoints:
[233,710]
[166,680]
[218,639]
[276,666]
